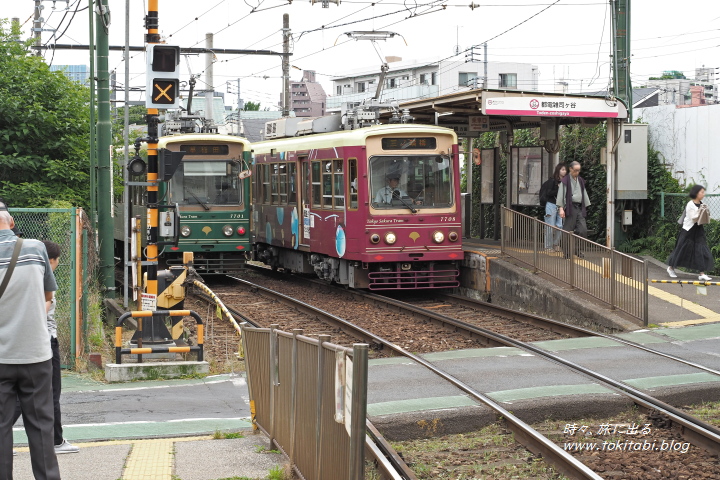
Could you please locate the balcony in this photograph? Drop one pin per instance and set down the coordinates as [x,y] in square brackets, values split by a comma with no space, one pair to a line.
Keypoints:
[401,94]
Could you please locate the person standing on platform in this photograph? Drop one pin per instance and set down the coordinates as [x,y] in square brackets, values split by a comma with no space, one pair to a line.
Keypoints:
[61,445]
[548,197]
[691,249]
[25,353]
[572,201]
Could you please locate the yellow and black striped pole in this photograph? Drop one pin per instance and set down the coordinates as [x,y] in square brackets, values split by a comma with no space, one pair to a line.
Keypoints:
[686,282]
[151,252]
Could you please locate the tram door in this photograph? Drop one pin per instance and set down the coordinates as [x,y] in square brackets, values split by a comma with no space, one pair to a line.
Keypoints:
[304,200]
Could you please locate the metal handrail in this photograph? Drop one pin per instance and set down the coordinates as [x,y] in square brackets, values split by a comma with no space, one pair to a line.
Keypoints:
[615,278]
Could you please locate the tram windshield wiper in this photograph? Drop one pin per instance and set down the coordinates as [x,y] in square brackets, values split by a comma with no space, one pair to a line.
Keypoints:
[396,194]
[199,201]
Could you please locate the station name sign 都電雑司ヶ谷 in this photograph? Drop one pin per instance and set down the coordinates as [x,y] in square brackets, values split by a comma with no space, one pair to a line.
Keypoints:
[551,106]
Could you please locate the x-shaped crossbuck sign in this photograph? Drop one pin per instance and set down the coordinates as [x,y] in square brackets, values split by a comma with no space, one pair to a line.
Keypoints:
[163,92]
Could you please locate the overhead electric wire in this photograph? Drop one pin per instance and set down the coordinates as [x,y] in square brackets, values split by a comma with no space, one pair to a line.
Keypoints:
[198,17]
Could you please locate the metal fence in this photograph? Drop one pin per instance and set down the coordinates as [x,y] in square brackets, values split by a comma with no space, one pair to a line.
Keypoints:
[310,397]
[672,205]
[68,228]
[612,277]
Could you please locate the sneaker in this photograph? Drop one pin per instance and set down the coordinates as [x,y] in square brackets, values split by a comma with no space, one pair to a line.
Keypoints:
[704,278]
[671,272]
[66,447]
[14,453]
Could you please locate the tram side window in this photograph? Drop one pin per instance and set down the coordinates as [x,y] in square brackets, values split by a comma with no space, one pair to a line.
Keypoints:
[353,179]
[316,185]
[292,183]
[274,184]
[282,170]
[266,183]
[327,190]
[338,185]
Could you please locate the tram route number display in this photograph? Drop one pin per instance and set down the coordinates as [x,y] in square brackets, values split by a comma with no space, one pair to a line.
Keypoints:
[148,302]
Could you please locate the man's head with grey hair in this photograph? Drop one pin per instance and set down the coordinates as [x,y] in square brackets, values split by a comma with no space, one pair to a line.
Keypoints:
[574,169]
[6,221]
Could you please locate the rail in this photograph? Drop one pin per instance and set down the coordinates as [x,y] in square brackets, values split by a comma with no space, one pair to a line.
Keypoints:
[387,460]
[523,432]
[140,350]
[615,278]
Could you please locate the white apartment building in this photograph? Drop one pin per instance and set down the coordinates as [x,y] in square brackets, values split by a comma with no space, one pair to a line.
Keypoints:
[421,79]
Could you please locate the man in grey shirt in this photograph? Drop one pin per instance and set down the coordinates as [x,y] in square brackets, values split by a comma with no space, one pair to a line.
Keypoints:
[572,201]
[25,354]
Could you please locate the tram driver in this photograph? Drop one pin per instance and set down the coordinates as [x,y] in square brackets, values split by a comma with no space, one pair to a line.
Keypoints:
[386,194]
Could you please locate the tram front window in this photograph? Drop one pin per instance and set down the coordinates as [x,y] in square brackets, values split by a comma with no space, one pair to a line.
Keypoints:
[420,181]
[206,183]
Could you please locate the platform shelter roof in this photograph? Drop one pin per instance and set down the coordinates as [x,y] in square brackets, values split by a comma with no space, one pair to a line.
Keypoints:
[475,111]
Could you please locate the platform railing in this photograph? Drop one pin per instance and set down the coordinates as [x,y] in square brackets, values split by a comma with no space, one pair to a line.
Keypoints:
[310,397]
[613,277]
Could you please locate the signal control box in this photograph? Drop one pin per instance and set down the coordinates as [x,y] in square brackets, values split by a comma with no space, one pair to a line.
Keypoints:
[167,224]
[632,162]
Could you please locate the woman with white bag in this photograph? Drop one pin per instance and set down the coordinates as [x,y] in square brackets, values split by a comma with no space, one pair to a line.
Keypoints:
[691,250]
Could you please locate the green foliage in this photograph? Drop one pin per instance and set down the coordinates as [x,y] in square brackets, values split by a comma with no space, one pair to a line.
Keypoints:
[44,125]
[252,106]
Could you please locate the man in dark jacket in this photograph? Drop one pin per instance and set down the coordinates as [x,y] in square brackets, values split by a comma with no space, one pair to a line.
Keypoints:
[572,201]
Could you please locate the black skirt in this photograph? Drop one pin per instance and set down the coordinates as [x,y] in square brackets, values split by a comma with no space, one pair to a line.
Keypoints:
[692,251]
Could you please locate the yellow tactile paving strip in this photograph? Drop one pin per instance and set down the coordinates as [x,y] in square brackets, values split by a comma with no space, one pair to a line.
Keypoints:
[707,315]
[149,459]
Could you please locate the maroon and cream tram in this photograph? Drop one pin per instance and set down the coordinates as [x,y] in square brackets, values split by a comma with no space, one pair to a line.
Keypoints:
[375,207]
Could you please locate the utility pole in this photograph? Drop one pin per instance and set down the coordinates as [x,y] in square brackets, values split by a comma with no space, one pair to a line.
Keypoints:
[93,144]
[485,79]
[104,183]
[37,24]
[286,65]
[209,79]
[622,84]
[126,154]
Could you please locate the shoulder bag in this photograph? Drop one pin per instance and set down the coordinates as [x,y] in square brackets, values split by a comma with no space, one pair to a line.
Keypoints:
[11,267]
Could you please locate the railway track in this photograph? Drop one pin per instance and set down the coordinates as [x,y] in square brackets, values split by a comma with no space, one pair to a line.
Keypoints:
[693,430]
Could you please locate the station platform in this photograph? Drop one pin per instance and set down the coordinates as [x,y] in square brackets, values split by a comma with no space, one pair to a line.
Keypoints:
[490,276]
[408,401]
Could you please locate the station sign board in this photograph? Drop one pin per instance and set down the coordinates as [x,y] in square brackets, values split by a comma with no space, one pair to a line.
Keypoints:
[527,105]
[462,129]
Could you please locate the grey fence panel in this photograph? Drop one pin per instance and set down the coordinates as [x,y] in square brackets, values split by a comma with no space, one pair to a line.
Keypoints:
[334,440]
[304,452]
[672,205]
[606,274]
[292,386]
[258,372]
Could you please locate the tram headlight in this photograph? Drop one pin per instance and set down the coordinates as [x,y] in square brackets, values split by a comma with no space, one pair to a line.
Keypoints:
[374,238]
[227,230]
[453,236]
[185,231]
[438,236]
[390,238]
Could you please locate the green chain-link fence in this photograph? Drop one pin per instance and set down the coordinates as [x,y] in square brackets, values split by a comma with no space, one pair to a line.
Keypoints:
[68,228]
[673,204]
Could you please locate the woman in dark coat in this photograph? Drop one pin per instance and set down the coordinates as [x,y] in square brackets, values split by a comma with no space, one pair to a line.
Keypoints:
[548,194]
[691,250]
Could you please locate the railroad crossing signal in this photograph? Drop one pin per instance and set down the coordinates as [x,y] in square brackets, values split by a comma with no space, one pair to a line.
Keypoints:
[163,76]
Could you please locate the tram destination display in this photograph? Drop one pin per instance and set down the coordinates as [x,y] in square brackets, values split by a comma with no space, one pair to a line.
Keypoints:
[205,149]
[417,143]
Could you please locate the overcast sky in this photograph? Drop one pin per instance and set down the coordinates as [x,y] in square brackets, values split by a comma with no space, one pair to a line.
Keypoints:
[568,39]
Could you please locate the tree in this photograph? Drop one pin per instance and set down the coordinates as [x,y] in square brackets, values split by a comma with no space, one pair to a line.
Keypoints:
[252,106]
[44,125]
